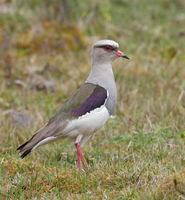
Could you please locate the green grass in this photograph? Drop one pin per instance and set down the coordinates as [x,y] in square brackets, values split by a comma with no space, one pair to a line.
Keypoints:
[139,154]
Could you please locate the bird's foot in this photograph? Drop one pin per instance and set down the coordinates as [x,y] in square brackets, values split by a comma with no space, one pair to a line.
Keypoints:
[81,161]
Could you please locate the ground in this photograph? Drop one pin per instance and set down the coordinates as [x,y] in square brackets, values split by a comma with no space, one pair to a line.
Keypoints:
[140,153]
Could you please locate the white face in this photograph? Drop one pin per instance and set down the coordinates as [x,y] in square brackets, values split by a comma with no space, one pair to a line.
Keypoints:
[105,53]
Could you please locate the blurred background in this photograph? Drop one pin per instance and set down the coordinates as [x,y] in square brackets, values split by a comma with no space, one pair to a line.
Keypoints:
[45,55]
[45,46]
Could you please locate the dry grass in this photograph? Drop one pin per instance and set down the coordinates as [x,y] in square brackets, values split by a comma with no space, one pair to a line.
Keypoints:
[139,154]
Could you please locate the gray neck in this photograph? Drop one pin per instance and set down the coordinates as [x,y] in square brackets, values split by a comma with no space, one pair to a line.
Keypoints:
[102,74]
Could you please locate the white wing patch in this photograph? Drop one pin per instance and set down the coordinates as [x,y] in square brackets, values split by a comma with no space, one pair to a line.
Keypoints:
[89,122]
[95,110]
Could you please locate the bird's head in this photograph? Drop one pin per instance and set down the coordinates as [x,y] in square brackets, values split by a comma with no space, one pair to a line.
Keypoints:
[106,51]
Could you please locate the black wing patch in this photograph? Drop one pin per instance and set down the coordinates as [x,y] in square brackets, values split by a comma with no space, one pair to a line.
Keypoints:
[95,100]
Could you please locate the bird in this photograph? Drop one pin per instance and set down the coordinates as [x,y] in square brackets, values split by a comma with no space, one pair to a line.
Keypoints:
[87,109]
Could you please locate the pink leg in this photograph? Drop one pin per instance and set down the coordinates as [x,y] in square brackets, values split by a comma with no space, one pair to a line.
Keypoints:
[80,156]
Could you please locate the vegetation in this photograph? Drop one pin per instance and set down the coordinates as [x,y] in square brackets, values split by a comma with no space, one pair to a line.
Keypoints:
[44,56]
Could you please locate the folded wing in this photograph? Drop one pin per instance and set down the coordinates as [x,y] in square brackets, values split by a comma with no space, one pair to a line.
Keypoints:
[87,98]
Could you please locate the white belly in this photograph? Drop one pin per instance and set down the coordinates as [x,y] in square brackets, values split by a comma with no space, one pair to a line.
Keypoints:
[87,123]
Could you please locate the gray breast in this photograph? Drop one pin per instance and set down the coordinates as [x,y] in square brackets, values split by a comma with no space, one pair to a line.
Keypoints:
[111,101]
[103,75]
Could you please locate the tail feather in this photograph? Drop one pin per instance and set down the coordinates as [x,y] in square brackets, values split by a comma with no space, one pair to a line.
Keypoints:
[25,153]
[22,145]
[25,148]
[36,139]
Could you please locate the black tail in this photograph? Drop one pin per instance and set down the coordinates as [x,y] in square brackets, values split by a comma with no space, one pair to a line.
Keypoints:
[22,146]
[26,152]
[23,150]
[40,135]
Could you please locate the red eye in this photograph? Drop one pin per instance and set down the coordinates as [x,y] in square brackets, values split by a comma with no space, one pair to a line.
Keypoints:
[108,48]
